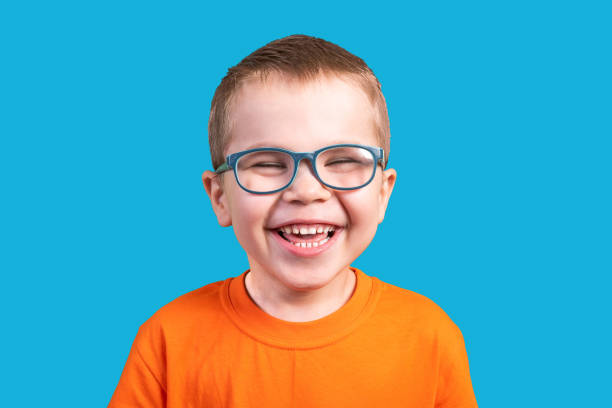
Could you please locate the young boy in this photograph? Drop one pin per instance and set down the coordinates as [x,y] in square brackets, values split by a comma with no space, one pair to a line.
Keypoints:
[299,137]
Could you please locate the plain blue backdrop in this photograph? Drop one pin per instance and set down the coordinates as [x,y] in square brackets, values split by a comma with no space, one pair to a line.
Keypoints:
[501,126]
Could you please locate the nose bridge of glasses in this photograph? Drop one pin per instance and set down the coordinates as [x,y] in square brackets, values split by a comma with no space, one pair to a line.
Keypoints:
[310,157]
[300,156]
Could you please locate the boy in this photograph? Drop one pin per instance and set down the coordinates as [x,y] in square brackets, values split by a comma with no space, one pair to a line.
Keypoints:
[299,138]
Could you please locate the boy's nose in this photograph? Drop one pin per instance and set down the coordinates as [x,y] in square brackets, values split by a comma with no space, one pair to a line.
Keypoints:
[306,187]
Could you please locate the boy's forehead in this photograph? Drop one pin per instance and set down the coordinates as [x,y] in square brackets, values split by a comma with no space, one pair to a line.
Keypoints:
[328,109]
[276,83]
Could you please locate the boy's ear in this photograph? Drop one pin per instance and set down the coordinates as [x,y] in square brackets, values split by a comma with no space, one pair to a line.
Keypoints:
[388,182]
[218,198]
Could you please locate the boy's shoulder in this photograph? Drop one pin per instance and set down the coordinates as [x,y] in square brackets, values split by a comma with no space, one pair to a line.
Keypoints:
[412,309]
[195,307]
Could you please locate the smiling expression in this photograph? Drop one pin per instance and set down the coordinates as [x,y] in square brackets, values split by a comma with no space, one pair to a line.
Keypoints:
[303,237]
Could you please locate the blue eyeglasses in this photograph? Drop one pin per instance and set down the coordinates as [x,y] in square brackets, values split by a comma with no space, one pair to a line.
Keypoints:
[269,170]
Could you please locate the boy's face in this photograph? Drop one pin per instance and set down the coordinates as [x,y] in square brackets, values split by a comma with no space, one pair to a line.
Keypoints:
[302,118]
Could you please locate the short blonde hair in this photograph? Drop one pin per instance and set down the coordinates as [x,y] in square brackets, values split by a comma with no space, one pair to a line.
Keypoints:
[299,57]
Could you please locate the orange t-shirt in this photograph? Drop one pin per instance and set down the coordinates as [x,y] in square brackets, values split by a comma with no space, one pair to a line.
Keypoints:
[214,347]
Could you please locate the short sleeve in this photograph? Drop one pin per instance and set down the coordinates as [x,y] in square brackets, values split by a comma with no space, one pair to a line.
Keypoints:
[142,383]
[454,382]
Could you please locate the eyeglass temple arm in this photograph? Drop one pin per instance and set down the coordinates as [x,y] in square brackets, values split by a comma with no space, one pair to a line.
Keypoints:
[222,168]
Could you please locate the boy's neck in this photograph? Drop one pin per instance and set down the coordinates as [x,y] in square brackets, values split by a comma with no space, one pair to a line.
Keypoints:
[299,306]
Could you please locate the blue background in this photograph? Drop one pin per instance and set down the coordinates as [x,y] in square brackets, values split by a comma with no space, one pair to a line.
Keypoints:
[500,120]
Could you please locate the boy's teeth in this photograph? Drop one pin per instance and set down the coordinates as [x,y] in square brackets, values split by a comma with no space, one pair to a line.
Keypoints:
[306,229]
[307,233]
[310,244]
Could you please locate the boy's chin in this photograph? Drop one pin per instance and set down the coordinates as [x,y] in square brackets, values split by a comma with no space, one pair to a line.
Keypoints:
[306,278]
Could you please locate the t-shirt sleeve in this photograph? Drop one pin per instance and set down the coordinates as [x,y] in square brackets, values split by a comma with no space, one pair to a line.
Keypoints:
[142,383]
[454,382]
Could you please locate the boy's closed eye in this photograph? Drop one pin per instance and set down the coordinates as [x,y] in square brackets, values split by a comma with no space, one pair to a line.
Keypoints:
[345,164]
[263,162]
[341,160]
[270,164]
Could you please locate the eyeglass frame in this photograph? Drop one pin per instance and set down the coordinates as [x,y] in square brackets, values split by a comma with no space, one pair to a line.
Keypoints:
[230,164]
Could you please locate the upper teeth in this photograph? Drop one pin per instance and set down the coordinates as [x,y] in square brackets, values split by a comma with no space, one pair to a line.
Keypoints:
[306,229]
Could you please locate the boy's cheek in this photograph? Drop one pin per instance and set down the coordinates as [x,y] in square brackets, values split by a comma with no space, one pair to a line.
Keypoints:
[248,212]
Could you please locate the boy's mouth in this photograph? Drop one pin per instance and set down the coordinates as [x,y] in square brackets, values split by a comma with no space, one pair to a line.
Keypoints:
[307,235]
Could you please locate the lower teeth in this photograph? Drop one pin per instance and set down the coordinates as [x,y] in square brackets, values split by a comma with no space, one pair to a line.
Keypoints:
[310,244]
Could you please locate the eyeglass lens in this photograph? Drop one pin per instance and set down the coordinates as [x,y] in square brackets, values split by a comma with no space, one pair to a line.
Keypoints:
[340,167]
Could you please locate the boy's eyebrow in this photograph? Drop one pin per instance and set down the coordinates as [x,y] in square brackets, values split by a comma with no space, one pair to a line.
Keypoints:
[265,144]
